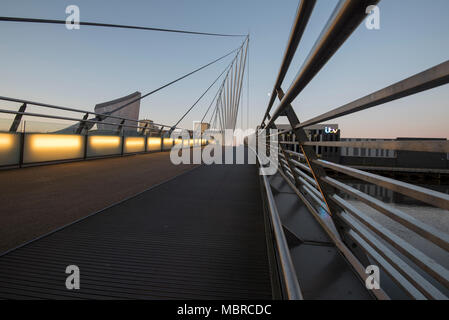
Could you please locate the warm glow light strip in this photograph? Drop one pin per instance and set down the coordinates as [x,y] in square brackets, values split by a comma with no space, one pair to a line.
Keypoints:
[55,142]
[154,141]
[5,140]
[9,149]
[135,142]
[187,142]
[100,141]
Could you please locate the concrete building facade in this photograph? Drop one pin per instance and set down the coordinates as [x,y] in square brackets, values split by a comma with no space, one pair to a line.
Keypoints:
[321,133]
[130,112]
[352,156]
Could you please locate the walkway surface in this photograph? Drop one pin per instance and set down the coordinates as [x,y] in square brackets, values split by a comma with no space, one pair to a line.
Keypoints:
[200,235]
[37,200]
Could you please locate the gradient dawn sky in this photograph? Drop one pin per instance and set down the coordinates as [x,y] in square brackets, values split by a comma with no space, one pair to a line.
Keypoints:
[81,68]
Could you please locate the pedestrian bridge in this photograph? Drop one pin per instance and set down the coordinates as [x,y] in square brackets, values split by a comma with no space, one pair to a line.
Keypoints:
[138,227]
[203,232]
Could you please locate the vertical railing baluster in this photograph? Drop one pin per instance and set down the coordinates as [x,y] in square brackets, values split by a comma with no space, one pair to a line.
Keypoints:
[123,143]
[22,145]
[18,118]
[86,141]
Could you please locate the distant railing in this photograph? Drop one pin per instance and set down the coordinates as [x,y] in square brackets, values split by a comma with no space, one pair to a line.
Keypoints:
[101,116]
[77,141]
[362,238]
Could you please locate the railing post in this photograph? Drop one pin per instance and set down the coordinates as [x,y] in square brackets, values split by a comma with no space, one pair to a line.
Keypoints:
[267,144]
[82,124]
[257,140]
[22,147]
[308,152]
[161,134]
[146,143]
[15,124]
[144,130]
[86,140]
[123,144]
[318,173]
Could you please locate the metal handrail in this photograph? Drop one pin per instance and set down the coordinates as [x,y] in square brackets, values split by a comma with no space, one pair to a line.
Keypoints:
[40,104]
[425,262]
[389,261]
[291,282]
[292,287]
[351,258]
[305,173]
[346,18]
[41,115]
[431,197]
[303,13]
[437,237]
[388,267]
[426,80]
[407,277]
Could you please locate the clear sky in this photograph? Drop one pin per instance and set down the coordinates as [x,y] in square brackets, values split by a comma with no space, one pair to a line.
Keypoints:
[81,68]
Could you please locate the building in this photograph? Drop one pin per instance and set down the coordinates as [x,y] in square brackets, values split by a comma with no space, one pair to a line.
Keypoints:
[115,108]
[147,126]
[367,157]
[352,156]
[394,158]
[111,125]
[428,160]
[320,133]
[203,126]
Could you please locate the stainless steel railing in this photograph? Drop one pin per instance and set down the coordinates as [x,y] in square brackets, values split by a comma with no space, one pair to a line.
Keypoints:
[98,116]
[360,237]
[40,143]
[288,274]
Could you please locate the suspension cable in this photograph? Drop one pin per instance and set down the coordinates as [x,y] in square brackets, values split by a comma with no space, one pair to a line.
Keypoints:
[210,105]
[228,68]
[199,99]
[248,91]
[172,82]
[221,87]
[108,25]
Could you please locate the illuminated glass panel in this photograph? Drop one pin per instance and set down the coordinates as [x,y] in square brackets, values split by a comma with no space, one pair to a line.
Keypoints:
[98,146]
[168,143]
[134,144]
[9,149]
[153,144]
[52,147]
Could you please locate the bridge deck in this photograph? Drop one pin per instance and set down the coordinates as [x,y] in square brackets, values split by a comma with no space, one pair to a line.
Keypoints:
[200,235]
[38,200]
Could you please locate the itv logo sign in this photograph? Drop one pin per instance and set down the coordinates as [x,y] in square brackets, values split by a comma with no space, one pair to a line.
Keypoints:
[329,130]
